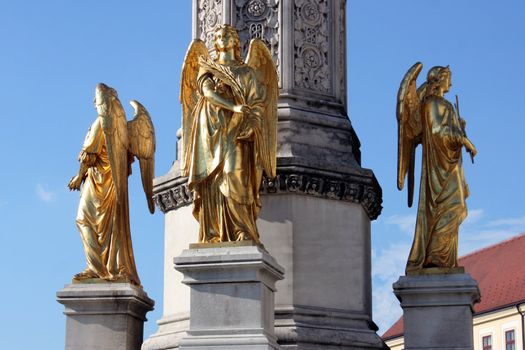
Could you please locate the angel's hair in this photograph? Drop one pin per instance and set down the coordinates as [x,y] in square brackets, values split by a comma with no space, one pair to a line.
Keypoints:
[233,32]
[434,76]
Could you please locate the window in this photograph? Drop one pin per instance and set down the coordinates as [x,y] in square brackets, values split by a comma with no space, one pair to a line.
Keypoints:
[510,341]
[487,342]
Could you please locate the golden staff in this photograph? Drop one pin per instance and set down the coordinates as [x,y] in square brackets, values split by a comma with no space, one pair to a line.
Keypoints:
[462,122]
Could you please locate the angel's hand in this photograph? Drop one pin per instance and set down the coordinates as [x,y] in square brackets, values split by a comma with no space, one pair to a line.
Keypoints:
[470,147]
[74,183]
[245,135]
[243,109]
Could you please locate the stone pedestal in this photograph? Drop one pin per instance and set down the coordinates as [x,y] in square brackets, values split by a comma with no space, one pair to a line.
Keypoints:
[437,310]
[232,296]
[316,213]
[104,316]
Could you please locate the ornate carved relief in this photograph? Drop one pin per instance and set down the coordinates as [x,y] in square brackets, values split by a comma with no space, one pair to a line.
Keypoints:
[312,45]
[342,51]
[172,198]
[258,19]
[210,17]
[368,193]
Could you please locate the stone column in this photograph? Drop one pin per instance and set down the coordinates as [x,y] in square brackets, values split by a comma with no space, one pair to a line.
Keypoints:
[437,310]
[316,214]
[232,296]
[104,316]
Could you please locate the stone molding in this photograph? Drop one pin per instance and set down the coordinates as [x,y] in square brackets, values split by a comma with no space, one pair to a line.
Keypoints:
[366,191]
[325,327]
[437,290]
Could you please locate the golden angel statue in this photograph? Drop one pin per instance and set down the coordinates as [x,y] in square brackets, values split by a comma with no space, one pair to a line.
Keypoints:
[229,128]
[105,164]
[426,117]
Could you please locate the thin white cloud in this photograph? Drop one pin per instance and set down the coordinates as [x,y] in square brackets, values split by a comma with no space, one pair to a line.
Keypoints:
[386,308]
[474,216]
[474,239]
[405,223]
[476,233]
[44,194]
[515,222]
[387,265]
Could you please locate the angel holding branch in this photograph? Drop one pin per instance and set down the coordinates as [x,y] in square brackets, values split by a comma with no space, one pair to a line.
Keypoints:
[228,134]
[425,117]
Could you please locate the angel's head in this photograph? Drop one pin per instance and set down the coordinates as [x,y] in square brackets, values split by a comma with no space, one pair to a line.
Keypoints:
[439,79]
[105,97]
[225,38]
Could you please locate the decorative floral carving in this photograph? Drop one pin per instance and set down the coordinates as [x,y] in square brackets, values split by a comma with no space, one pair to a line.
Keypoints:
[173,198]
[314,186]
[365,191]
[210,17]
[333,189]
[259,19]
[311,44]
[270,185]
[256,8]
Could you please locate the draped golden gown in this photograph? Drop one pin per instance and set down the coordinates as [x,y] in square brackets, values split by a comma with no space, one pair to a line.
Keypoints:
[102,220]
[224,172]
[443,189]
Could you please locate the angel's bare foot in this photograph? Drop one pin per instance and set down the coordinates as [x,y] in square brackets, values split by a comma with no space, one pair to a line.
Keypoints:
[243,236]
[87,273]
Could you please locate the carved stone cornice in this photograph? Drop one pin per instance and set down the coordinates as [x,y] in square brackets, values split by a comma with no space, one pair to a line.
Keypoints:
[174,193]
[347,188]
[171,192]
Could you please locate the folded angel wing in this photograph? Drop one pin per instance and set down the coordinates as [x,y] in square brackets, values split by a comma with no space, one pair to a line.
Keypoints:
[189,96]
[260,59]
[116,134]
[409,128]
[142,145]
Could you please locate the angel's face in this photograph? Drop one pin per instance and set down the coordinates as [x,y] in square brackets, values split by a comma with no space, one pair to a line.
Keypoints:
[224,40]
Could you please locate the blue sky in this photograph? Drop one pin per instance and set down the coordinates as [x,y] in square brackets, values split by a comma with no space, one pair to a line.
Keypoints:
[54,52]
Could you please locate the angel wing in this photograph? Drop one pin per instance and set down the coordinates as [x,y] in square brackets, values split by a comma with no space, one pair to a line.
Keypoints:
[409,128]
[260,59]
[116,133]
[142,145]
[189,96]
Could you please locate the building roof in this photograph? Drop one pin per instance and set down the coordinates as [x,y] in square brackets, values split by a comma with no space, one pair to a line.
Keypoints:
[500,273]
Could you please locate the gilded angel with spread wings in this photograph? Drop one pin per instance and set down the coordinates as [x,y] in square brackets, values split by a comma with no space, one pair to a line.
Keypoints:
[229,134]
[425,117]
[109,149]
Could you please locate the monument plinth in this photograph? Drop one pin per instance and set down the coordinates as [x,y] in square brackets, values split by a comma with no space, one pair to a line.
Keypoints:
[104,316]
[437,310]
[231,298]
[316,214]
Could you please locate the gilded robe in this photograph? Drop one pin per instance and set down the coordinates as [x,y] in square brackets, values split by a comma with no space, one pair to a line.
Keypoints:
[102,219]
[443,189]
[224,172]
